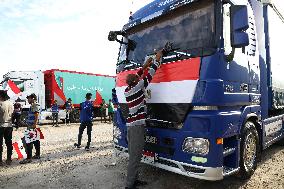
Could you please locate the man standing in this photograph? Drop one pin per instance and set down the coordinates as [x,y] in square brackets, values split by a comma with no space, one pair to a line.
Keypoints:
[55,110]
[86,119]
[16,118]
[32,121]
[135,99]
[103,107]
[110,110]
[68,107]
[6,129]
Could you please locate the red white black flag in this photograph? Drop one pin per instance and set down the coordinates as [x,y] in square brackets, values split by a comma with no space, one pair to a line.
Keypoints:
[20,148]
[29,137]
[13,90]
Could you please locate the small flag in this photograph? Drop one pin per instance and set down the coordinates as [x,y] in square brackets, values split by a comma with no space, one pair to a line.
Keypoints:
[32,135]
[98,99]
[20,148]
[40,134]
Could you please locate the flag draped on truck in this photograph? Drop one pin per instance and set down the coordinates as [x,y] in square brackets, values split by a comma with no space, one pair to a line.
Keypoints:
[13,90]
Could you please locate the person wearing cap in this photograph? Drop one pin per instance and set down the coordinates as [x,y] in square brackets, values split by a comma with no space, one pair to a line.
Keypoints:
[6,129]
[68,107]
[86,119]
[31,123]
[55,111]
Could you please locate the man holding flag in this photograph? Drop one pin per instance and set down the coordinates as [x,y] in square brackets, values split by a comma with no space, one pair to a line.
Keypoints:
[32,130]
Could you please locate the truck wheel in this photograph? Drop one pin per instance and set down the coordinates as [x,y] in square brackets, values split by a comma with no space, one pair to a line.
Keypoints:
[250,150]
[280,142]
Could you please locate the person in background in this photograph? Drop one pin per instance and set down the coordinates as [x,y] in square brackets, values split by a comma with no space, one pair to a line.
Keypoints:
[103,107]
[31,123]
[135,98]
[86,119]
[110,110]
[17,114]
[6,129]
[68,108]
[55,110]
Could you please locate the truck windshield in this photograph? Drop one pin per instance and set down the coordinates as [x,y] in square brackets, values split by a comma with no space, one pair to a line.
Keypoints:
[192,31]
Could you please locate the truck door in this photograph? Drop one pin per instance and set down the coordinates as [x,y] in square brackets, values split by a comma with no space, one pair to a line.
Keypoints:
[253,55]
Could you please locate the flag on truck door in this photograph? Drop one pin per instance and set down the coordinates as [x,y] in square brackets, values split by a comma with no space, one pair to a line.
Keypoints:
[13,90]
[20,148]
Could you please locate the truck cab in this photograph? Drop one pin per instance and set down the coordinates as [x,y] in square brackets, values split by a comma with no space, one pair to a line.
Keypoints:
[210,105]
[28,82]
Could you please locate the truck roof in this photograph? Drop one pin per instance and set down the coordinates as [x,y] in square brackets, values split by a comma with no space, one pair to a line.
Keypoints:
[154,10]
[75,72]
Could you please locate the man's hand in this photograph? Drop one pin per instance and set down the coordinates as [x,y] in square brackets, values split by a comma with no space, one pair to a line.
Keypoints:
[148,63]
[159,55]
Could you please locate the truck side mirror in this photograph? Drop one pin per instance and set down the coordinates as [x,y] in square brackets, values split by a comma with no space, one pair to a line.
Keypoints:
[239,26]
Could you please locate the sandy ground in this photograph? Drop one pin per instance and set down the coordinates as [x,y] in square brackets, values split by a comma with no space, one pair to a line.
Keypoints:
[62,166]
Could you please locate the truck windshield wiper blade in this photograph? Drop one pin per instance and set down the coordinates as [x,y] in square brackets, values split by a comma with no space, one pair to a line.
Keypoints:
[182,53]
[131,64]
[177,55]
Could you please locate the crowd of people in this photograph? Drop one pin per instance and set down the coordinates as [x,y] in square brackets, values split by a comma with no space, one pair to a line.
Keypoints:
[10,116]
[104,111]
[135,98]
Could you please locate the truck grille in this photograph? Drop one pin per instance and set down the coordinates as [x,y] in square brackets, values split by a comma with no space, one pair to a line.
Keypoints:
[163,124]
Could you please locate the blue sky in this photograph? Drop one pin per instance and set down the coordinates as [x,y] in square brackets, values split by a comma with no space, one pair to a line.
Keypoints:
[62,34]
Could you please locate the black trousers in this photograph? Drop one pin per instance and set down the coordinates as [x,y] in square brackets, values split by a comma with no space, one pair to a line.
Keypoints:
[82,127]
[55,118]
[16,118]
[103,115]
[6,133]
[110,114]
[30,149]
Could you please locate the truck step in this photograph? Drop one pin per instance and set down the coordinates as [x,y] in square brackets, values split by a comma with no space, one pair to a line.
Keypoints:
[227,171]
[228,151]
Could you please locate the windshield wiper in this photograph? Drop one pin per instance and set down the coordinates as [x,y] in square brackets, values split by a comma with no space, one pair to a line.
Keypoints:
[131,64]
[177,55]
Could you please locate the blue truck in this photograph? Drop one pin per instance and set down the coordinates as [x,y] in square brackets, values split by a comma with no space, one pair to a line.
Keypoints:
[217,101]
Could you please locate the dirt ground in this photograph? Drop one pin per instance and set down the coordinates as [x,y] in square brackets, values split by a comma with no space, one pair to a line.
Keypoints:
[62,166]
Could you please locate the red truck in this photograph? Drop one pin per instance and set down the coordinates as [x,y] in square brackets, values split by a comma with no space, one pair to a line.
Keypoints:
[59,85]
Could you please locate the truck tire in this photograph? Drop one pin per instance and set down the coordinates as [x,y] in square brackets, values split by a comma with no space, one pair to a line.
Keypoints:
[249,150]
[75,116]
[280,142]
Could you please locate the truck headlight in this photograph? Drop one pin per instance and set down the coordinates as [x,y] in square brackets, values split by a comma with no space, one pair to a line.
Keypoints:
[196,146]
[116,132]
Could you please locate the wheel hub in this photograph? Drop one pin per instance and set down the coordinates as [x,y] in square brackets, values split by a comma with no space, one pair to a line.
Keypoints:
[249,151]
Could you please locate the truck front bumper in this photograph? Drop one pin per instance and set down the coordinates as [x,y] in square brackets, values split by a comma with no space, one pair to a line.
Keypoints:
[199,172]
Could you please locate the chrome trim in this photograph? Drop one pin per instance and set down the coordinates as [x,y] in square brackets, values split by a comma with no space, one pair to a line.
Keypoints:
[210,173]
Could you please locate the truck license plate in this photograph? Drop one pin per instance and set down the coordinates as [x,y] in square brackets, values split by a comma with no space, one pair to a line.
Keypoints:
[149,157]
